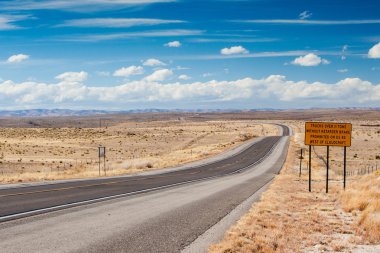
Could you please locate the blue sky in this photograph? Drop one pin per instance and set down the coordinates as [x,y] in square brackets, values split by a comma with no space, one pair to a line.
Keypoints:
[128,54]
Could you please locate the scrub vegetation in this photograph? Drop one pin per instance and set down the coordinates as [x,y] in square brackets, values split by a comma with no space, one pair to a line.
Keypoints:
[290,219]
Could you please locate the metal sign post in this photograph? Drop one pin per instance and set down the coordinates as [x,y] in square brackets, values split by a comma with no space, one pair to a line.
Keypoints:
[309,168]
[104,156]
[344,167]
[328,134]
[327,169]
[99,158]
[102,153]
[301,157]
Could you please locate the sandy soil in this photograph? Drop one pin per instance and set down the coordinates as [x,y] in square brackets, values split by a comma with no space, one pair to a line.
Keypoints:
[290,219]
[31,154]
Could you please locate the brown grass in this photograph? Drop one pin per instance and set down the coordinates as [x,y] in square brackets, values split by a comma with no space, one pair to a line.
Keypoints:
[35,154]
[364,197]
[290,219]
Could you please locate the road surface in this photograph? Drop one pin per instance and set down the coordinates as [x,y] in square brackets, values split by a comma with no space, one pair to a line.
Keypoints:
[146,213]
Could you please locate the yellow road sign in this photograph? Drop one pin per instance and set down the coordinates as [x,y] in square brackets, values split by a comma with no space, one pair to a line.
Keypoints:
[328,134]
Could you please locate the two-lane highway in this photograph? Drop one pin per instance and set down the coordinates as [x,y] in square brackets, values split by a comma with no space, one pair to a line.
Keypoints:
[17,202]
[172,210]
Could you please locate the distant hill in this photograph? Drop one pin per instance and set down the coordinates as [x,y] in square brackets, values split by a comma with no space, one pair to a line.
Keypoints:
[50,113]
[67,112]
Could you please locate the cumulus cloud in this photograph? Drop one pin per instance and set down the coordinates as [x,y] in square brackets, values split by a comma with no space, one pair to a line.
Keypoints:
[153,62]
[342,70]
[73,76]
[129,71]
[159,75]
[18,58]
[374,52]
[184,77]
[234,50]
[175,43]
[272,91]
[310,60]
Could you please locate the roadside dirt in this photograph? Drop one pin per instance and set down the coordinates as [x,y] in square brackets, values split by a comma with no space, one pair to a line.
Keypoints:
[290,219]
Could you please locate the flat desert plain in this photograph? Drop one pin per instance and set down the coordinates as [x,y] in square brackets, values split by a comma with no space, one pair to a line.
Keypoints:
[289,218]
[40,153]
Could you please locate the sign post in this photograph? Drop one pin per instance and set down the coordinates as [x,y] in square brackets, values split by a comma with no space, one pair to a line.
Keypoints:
[102,153]
[301,157]
[344,167]
[309,168]
[327,169]
[328,134]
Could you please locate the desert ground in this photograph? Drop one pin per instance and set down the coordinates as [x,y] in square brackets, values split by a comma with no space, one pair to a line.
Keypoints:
[287,218]
[290,219]
[41,153]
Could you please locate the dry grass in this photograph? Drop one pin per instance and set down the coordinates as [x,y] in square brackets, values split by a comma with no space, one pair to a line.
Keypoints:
[363,199]
[290,219]
[35,154]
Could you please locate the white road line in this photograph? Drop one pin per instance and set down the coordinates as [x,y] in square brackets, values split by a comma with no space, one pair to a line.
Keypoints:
[86,202]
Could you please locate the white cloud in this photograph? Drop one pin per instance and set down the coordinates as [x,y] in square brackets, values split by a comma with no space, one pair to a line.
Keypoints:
[175,43]
[184,77]
[233,40]
[129,71]
[273,91]
[18,58]
[7,21]
[374,52]
[182,68]
[103,73]
[128,35]
[116,22]
[159,75]
[309,60]
[206,74]
[342,70]
[344,49]
[311,22]
[153,62]
[83,5]
[73,77]
[234,50]
[305,15]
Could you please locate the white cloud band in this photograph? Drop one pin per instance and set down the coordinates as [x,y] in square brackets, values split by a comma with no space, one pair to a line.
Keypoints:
[273,91]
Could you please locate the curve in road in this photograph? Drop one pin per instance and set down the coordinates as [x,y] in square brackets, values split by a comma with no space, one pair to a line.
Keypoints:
[26,201]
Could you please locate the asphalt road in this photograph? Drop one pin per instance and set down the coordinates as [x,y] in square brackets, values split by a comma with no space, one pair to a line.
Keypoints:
[15,201]
[155,221]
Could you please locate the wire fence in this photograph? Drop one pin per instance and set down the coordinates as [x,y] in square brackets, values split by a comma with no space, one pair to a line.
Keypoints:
[353,168]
